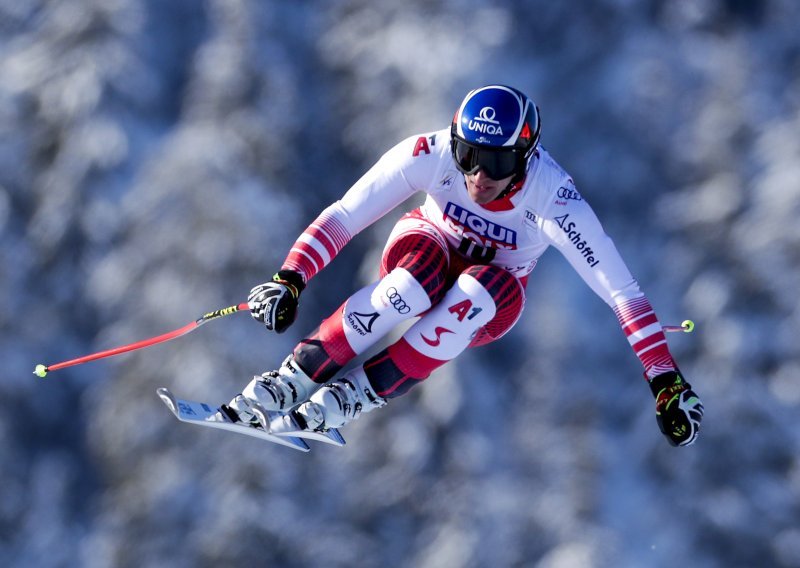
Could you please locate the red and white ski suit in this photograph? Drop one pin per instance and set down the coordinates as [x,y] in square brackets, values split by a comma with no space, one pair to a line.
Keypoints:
[486,251]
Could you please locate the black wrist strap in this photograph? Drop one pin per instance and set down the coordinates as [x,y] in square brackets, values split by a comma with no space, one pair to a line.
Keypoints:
[292,278]
[665,380]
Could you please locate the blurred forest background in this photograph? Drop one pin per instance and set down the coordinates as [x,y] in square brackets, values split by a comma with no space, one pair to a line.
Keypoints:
[158,158]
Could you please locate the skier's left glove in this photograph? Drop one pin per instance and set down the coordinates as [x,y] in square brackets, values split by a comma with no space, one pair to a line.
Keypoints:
[275,303]
[678,409]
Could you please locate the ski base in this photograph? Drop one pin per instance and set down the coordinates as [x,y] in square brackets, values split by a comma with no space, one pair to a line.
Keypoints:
[283,429]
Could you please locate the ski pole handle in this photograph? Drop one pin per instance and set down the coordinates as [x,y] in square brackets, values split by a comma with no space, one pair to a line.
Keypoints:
[42,370]
[687,326]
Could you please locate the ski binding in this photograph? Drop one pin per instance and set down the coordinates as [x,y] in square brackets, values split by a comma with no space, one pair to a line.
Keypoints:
[283,429]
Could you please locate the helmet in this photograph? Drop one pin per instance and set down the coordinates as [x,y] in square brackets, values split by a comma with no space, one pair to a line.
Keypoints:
[496,129]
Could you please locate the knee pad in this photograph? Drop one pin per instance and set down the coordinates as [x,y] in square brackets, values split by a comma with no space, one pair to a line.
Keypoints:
[509,297]
[372,312]
[448,328]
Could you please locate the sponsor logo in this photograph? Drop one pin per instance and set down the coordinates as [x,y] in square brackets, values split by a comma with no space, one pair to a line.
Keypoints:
[186,410]
[474,251]
[575,237]
[521,270]
[269,313]
[487,114]
[439,331]
[362,323]
[485,122]
[530,216]
[482,231]
[447,181]
[219,313]
[397,302]
[421,147]
[290,365]
[566,194]
[462,308]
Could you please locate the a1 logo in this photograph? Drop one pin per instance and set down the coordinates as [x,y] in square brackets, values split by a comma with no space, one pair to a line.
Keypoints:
[463,308]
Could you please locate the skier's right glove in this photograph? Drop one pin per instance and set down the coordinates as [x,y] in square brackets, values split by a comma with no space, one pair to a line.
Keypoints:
[275,303]
[678,409]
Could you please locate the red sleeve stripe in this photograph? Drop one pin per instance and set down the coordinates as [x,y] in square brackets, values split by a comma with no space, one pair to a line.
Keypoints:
[648,343]
[309,251]
[640,324]
[317,246]
[331,225]
[631,310]
[652,330]
[658,360]
[318,235]
[300,264]
[644,333]
[325,252]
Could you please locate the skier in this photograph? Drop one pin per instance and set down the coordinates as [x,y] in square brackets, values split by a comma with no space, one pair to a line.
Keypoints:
[495,202]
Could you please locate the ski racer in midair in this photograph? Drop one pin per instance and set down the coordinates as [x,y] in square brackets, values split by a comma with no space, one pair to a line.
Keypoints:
[495,201]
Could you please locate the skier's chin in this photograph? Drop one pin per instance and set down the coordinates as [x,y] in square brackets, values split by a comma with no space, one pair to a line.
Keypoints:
[482,194]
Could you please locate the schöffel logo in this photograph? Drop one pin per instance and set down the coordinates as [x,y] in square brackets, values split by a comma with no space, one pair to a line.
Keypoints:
[485,122]
[474,227]
[577,239]
[362,323]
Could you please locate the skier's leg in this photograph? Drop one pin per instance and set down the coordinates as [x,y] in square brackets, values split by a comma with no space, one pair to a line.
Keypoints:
[412,279]
[413,271]
[485,301]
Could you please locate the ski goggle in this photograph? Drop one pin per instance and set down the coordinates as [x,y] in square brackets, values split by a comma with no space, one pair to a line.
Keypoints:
[497,163]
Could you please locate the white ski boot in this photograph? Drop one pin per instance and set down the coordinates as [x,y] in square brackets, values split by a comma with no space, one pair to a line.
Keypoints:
[340,401]
[279,391]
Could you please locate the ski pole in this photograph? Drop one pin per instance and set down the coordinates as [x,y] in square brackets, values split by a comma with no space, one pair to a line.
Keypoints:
[42,370]
[687,326]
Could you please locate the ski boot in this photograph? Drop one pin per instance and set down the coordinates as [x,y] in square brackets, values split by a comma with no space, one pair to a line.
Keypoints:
[278,391]
[339,402]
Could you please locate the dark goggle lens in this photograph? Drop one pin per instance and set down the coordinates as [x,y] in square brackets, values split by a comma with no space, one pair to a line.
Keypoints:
[497,164]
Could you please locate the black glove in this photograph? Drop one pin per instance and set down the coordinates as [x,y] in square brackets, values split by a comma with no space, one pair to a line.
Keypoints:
[678,409]
[275,303]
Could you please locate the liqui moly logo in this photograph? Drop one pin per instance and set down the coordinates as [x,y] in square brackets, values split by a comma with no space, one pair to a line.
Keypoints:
[485,122]
[484,232]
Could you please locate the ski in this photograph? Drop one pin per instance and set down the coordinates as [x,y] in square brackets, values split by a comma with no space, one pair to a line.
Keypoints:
[292,425]
[284,429]
[202,414]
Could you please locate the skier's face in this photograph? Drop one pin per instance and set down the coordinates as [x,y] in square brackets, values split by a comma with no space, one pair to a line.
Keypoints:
[482,189]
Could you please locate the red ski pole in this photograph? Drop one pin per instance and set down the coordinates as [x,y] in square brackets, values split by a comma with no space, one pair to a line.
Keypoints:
[42,370]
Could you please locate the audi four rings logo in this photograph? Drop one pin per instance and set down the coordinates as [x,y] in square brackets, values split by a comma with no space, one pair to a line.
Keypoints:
[487,114]
[397,301]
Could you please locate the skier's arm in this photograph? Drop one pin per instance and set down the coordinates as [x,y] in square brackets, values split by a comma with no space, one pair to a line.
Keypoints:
[573,228]
[387,184]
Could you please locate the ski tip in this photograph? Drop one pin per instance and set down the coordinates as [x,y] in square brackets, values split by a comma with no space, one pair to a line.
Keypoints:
[169,399]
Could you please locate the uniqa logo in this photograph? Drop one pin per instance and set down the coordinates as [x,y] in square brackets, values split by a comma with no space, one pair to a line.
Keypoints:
[485,122]
[487,114]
